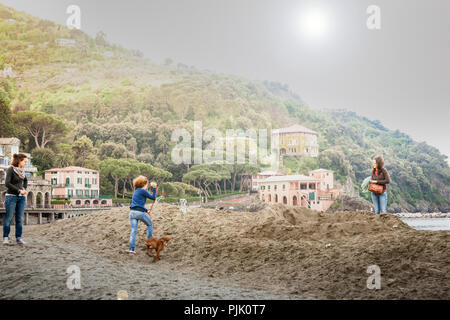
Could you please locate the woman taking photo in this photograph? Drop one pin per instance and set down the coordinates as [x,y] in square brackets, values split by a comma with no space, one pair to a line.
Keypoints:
[15,199]
[380,176]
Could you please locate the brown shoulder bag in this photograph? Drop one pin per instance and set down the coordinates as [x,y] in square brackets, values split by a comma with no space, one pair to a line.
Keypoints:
[377,188]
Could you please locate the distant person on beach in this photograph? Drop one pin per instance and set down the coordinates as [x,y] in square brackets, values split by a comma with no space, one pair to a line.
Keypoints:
[15,199]
[379,176]
[138,210]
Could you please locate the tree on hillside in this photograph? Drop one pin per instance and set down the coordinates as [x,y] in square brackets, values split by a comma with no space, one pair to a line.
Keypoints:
[82,149]
[202,176]
[113,150]
[64,155]
[42,127]
[114,168]
[126,170]
[6,122]
[168,61]
[43,159]
[100,39]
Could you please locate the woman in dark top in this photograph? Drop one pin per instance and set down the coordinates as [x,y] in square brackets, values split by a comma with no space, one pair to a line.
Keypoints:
[379,176]
[15,199]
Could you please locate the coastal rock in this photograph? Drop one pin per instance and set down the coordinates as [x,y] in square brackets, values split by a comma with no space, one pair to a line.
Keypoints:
[422,206]
[349,189]
[444,209]
[348,203]
[395,208]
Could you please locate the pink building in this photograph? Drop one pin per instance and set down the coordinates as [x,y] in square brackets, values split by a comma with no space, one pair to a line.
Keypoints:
[315,191]
[79,185]
[253,183]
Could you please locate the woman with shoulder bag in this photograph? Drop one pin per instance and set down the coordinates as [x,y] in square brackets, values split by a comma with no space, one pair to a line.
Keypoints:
[15,199]
[377,186]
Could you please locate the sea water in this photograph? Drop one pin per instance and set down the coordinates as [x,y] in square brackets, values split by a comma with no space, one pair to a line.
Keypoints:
[428,223]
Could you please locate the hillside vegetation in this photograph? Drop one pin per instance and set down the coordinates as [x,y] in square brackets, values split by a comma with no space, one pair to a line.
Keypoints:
[103,103]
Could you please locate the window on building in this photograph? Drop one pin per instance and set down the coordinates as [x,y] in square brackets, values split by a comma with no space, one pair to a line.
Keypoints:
[54,181]
[275,187]
[67,181]
[303,186]
[79,180]
[284,186]
[268,187]
[14,149]
[86,193]
[86,180]
[1,150]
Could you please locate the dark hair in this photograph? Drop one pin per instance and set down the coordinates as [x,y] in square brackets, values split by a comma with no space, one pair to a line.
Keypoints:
[380,162]
[17,158]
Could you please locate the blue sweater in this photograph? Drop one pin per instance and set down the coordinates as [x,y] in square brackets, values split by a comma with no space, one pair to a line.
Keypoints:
[139,198]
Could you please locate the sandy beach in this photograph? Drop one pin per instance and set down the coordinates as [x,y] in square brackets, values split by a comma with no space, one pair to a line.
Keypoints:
[279,252]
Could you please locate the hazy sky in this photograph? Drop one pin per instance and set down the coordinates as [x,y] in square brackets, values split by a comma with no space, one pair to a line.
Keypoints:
[399,74]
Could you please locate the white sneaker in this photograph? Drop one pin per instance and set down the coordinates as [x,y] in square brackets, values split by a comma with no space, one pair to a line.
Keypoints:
[20,241]
[6,240]
[131,252]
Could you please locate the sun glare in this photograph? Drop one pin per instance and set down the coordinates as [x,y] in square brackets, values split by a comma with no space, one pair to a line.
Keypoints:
[313,23]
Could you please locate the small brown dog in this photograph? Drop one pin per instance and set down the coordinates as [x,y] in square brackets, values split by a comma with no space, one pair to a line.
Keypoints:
[155,244]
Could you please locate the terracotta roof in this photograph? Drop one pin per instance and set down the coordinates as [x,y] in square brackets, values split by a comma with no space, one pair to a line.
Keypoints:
[268,172]
[9,141]
[294,128]
[71,168]
[292,177]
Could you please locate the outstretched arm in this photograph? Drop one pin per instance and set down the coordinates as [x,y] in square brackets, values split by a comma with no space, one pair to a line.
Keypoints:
[151,196]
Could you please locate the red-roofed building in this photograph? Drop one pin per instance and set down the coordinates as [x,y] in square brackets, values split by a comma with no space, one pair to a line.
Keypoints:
[79,185]
[315,191]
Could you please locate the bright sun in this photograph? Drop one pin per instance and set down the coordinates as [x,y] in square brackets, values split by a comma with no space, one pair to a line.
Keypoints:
[313,23]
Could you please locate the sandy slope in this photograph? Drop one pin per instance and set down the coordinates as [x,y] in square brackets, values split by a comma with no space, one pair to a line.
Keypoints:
[280,249]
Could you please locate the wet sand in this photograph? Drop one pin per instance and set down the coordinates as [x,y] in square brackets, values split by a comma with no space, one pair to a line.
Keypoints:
[279,252]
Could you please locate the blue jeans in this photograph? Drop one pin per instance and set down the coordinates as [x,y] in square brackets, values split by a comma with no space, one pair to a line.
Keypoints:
[14,205]
[135,216]
[379,202]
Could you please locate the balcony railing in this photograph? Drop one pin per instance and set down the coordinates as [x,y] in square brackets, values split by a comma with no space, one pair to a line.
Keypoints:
[66,185]
[75,197]
[87,185]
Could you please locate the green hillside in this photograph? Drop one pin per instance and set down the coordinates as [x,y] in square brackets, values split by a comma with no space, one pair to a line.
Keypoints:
[103,101]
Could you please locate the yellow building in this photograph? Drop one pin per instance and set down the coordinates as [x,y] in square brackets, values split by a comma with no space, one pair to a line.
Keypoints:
[295,140]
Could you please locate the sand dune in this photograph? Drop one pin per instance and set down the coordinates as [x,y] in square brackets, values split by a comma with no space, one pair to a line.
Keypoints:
[279,249]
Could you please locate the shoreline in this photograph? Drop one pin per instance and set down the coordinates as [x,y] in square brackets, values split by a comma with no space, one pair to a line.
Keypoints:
[434,215]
